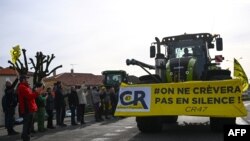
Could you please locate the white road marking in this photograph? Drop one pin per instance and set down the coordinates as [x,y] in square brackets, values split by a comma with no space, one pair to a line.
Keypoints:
[240,121]
[247,104]
[100,139]
[120,130]
[129,127]
[110,134]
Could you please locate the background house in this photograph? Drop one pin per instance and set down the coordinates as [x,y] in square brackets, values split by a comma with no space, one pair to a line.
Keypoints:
[74,79]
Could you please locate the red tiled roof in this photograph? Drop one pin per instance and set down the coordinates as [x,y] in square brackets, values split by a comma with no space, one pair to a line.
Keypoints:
[70,79]
[7,71]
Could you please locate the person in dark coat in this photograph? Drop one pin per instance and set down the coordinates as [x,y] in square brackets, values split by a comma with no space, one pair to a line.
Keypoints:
[73,104]
[10,103]
[105,101]
[186,53]
[60,105]
[50,103]
[113,100]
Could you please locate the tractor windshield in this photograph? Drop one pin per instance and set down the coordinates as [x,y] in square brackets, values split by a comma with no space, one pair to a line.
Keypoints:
[185,49]
[113,79]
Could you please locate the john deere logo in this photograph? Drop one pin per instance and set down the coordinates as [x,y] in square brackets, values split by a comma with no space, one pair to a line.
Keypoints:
[134,99]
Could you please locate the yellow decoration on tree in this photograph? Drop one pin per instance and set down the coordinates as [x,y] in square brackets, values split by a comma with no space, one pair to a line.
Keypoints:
[15,53]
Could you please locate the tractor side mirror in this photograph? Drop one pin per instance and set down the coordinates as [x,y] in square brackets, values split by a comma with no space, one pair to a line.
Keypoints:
[219,44]
[152,51]
[210,46]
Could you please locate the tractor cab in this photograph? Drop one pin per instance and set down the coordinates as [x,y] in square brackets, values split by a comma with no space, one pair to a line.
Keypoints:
[113,78]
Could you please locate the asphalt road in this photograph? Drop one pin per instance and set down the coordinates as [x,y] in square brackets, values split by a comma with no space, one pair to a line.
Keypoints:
[189,128]
[247,118]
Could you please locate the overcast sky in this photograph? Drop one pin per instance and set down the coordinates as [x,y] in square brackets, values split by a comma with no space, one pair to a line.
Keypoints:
[96,35]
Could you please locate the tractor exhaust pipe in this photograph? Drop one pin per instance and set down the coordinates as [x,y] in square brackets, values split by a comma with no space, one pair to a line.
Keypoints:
[138,63]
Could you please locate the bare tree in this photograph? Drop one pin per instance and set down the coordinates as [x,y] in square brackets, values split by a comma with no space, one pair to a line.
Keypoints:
[41,66]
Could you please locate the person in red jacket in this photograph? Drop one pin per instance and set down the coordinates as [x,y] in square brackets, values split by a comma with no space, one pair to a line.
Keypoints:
[27,104]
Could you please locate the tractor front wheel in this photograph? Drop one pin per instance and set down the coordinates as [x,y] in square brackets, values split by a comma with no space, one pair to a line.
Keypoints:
[149,124]
[217,123]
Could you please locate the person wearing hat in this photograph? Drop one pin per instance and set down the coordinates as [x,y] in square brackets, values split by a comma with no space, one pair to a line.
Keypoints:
[27,104]
[9,102]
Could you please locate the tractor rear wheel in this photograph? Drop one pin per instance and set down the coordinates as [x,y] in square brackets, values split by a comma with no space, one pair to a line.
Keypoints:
[217,123]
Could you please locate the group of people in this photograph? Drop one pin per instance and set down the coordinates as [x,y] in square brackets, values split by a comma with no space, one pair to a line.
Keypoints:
[34,103]
[77,102]
[104,102]
[31,105]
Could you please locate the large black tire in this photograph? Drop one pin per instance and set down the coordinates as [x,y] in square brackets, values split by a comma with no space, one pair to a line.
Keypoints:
[217,123]
[169,119]
[149,124]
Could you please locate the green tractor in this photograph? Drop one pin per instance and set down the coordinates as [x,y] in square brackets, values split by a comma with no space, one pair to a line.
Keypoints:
[184,58]
[113,78]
